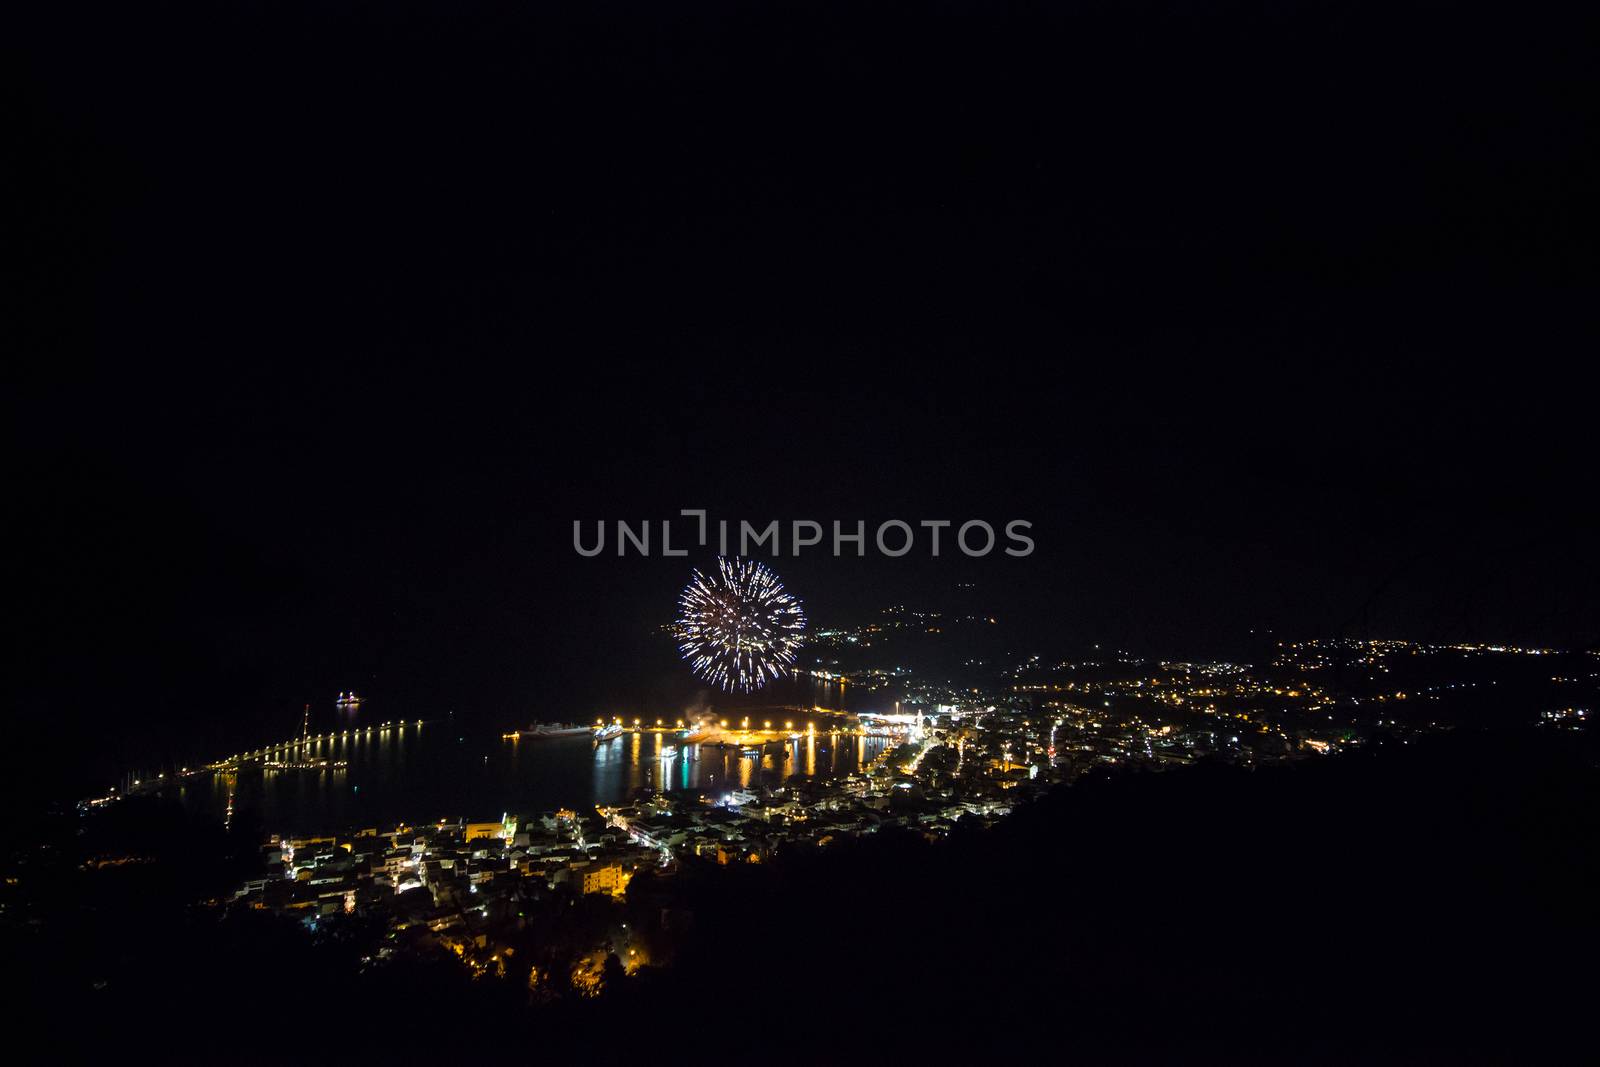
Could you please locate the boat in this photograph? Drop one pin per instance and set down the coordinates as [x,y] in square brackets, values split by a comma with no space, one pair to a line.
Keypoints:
[348,700]
[552,729]
[606,733]
[667,751]
[317,764]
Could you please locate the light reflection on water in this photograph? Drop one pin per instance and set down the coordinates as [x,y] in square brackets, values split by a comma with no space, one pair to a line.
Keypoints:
[659,761]
[435,771]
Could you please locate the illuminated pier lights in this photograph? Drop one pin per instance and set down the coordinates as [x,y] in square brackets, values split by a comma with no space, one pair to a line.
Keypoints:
[748,730]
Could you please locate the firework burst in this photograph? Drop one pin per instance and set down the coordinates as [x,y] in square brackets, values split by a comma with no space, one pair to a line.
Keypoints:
[737,627]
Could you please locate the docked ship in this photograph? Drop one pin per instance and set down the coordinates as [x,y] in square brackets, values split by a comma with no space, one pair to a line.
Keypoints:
[552,729]
[314,764]
[607,732]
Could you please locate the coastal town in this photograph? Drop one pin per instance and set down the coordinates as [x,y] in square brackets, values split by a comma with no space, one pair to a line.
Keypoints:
[472,888]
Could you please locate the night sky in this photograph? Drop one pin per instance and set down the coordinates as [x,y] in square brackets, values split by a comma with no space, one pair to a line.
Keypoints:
[337,316]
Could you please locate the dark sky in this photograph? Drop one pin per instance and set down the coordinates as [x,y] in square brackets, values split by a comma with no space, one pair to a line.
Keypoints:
[337,316]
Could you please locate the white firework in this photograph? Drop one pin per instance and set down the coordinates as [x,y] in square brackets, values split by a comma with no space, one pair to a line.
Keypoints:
[737,627]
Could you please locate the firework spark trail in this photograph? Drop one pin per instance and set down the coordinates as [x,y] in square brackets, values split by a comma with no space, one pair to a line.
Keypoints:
[737,627]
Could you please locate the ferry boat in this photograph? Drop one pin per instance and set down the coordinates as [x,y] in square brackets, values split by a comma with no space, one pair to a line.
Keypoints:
[348,700]
[607,732]
[552,729]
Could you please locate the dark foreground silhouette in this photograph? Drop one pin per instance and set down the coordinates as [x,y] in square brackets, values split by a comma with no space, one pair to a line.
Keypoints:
[1408,901]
